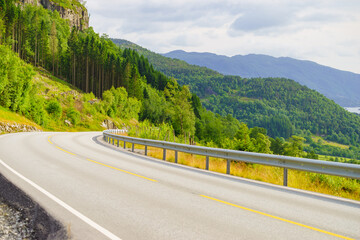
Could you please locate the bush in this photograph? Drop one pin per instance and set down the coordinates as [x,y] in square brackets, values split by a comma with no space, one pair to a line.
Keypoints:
[54,109]
[73,115]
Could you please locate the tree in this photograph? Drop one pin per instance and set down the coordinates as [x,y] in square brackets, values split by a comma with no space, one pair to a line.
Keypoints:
[294,147]
[183,116]
[53,44]
[243,138]
[277,146]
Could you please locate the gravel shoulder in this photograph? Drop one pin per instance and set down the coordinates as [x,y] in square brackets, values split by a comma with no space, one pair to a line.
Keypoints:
[22,218]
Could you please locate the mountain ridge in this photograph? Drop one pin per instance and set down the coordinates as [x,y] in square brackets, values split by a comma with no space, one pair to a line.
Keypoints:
[338,85]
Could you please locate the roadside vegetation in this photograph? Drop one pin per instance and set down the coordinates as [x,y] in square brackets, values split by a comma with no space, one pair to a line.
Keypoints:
[326,184]
[63,79]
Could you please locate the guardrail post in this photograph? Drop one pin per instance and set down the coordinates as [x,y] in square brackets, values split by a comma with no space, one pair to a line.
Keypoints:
[176,156]
[207,163]
[285,177]
[285,162]
[132,147]
[145,150]
[228,166]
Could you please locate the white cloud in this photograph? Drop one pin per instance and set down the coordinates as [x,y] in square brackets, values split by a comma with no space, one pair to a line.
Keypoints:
[325,31]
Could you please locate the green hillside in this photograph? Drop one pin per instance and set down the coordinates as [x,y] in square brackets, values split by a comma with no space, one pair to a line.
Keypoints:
[32,98]
[282,106]
[128,85]
[61,79]
[131,88]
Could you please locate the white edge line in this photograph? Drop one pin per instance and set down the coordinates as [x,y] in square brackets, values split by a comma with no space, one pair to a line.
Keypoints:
[67,207]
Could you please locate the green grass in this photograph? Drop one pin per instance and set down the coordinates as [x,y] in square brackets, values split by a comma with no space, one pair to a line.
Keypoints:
[68,4]
[6,116]
[51,88]
[339,159]
[325,142]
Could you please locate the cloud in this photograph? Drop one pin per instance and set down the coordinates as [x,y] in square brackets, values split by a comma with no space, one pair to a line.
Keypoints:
[254,21]
[306,29]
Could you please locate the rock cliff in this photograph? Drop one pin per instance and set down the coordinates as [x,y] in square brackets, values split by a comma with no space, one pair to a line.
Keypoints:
[76,13]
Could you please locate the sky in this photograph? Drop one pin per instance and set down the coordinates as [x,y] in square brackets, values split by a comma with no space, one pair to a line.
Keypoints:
[324,31]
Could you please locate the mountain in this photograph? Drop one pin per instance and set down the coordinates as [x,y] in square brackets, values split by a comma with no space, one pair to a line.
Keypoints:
[114,84]
[282,106]
[132,88]
[341,86]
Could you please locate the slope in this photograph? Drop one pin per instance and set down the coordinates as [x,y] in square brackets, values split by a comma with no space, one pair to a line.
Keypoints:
[31,99]
[341,86]
[282,106]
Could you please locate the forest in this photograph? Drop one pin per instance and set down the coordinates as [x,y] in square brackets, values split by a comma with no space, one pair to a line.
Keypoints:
[282,106]
[237,114]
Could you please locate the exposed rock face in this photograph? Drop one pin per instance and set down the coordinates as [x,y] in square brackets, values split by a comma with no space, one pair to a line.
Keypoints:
[15,127]
[108,124]
[77,17]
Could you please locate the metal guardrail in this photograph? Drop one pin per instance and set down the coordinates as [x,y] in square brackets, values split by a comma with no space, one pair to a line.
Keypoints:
[303,164]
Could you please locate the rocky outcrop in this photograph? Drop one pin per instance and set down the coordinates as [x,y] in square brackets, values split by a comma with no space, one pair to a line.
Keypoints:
[108,124]
[77,16]
[15,127]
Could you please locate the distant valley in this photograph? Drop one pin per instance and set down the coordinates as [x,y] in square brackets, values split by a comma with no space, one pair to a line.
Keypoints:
[353,109]
[341,86]
[280,105]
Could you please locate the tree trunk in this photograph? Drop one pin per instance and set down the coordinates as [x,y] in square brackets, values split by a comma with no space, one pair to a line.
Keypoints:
[87,75]
[35,47]
[74,71]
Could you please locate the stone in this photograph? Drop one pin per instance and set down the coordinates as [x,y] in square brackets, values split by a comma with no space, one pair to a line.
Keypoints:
[108,124]
[79,17]
[68,123]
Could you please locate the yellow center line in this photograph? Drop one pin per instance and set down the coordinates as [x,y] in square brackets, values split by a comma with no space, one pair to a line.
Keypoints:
[65,151]
[118,169]
[278,218]
[49,140]
[124,171]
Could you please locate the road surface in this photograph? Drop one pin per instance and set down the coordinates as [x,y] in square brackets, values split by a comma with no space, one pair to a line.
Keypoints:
[101,192]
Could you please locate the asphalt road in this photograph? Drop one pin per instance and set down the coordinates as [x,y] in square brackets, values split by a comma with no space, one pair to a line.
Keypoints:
[100,192]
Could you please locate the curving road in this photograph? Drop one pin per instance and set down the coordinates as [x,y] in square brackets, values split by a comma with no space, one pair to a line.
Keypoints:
[100,192]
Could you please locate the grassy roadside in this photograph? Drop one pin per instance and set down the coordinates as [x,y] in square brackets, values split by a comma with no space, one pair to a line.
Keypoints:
[6,116]
[13,122]
[325,184]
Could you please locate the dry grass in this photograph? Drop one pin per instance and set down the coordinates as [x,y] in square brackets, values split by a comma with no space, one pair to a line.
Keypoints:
[331,185]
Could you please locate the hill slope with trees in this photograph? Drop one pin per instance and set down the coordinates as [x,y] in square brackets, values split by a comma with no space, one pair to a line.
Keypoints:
[282,106]
[130,88]
[68,79]
[124,79]
[340,86]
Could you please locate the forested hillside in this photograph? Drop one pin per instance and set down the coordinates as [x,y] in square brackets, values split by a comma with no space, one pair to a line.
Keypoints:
[67,79]
[340,86]
[129,86]
[282,106]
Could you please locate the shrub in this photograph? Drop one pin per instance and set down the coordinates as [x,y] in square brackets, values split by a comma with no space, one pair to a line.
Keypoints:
[54,109]
[73,115]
